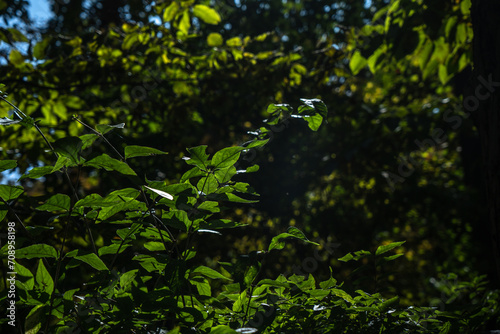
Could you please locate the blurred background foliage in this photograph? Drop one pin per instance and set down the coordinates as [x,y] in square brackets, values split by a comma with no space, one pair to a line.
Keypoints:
[398,160]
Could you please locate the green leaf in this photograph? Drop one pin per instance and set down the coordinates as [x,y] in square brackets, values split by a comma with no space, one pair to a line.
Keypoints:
[62,162]
[386,248]
[207,185]
[222,329]
[70,148]
[185,23]
[224,175]
[202,286]
[141,151]
[210,206]
[314,121]
[198,156]
[58,202]
[110,164]
[88,140]
[193,172]
[240,302]
[127,278]
[257,143]
[7,164]
[43,279]
[113,249]
[392,257]
[208,272]
[177,219]
[105,128]
[342,294]
[357,63]
[16,58]
[35,251]
[220,224]
[34,319]
[227,156]
[37,172]
[92,260]
[154,246]
[8,193]
[24,272]
[347,257]
[215,39]
[278,242]
[206,14]
[170,11]
[39,48]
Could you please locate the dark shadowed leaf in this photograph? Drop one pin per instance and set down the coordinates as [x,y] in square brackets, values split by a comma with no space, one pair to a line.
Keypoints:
[8,193]
[110,164]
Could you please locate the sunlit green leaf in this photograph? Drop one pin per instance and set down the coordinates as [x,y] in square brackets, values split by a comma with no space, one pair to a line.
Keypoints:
[206,14]
[208,272]
[198,156]
[170,11]
[43,279]
[357,63]
[215,39]
[92,260]
[227,156]
[386,248]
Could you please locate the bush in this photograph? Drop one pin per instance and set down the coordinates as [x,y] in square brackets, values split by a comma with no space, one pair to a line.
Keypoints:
[127,260]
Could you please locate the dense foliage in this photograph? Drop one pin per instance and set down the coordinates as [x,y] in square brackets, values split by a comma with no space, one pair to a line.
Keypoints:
[119,229]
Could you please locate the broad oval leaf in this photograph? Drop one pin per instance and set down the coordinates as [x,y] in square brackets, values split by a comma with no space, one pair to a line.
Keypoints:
[198,156]
[58,202]
[227,156]
[8,193]
[70,148]
[35,251]
[206,14]
[110,164]
[215,39]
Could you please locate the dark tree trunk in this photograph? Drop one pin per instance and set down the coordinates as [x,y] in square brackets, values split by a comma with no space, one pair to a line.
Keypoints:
[484,103]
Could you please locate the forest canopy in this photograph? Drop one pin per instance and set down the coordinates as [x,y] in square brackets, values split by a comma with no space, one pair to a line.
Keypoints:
[358,134]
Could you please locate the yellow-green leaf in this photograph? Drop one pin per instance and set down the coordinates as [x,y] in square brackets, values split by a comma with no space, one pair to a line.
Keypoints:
[185,23]
[206,14]
[357,62]
[215,39]
[16,57]
[170,11]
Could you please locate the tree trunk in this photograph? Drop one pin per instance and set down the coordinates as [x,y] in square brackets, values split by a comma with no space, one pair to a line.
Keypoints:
[484,104]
